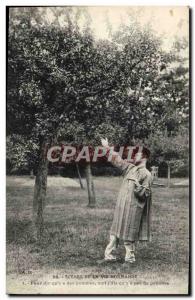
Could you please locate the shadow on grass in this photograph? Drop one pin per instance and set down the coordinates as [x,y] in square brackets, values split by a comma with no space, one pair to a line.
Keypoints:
[19,231]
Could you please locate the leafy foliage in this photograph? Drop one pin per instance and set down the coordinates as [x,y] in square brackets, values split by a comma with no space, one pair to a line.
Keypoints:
[63,85]
[21,154]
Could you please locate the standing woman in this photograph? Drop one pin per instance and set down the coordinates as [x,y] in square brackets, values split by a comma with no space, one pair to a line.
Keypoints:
[132,213]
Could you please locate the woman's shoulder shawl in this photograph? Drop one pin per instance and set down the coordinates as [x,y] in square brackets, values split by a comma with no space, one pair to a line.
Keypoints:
[131,173]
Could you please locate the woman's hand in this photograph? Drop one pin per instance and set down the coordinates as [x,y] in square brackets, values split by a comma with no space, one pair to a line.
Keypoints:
[137,183]
[104,142]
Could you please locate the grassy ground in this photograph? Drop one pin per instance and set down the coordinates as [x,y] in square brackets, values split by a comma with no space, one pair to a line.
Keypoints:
[75,237]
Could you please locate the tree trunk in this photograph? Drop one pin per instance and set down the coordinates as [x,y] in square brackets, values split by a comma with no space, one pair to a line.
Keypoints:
[168,175]
[90,186]
[79,175]
[40,191]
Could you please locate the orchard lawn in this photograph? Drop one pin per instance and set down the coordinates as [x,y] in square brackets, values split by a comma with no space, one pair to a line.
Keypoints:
[75,237]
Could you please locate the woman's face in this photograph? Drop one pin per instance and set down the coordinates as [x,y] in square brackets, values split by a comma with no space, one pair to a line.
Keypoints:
[138,157]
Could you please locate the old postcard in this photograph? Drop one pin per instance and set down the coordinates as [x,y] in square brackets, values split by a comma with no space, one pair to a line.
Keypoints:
[98,113]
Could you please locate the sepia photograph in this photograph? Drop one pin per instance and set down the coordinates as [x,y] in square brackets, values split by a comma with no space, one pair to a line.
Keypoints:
[98,150]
